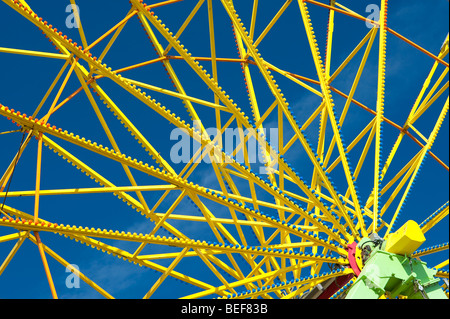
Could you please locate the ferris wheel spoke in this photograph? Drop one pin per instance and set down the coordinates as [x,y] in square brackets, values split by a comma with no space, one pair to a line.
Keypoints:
[258,182]
[281,102]
[313,116]
[21,236]
[424,106]
[293,77]
[79,233]
[269,285]
[81,142]
[103,181]
[9,171]
[401,172]
[65,46]
[216,94]
[184,25]
[253,19]
[220,290]
[177,84]
[421,100]
[182,96]
[134,131]
[66,155]
[441,265]
[271,23]
[329,42]
[407,180]
[35,53]
[367,37]
[434,218]
[13,236]
[406,172]
[114,144]
[78,23]
[419,163]
[169,211]
[393,124]
[362,157]
[27,234]
[368,130]
[54,104]
[212,40]
[314,219]
[164,176]
[324,114]
[113,29]
[353,14]
[430,250]
[50,89]
[166,273]
[217,228]
[237,196]
[92,190]
[329,105]
[442,274]
[212,44]
[379,111]
[320,151]
[192,63]
[67,265]
[349,100]
[112,40]
[253,100]
[408,125]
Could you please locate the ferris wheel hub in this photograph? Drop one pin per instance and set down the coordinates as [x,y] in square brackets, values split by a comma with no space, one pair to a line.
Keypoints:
[385,267]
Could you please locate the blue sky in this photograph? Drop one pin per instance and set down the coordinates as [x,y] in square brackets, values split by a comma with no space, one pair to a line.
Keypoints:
[25,80]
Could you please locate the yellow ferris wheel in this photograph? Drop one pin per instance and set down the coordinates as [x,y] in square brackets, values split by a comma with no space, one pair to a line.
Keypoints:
[228,130]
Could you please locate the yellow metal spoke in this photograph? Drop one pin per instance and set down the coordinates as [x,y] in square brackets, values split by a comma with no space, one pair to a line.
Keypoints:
[253,22]
[380,111]
[329,106]
[434,218]
[184,25]
[26,218]
[166,273]
[431,140]
[13,251]
[281,101]
[73,270]
[441,265]
[95,190]
[29,225]
[79,25]
[35,53]
[272,22]
[352,54]
[430,250]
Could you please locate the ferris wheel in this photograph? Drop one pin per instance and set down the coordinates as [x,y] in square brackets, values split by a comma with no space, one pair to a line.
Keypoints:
[224,149]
